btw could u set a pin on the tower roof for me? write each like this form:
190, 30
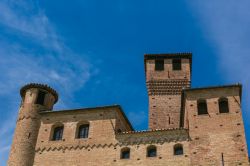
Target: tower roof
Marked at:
39, 86
169, 55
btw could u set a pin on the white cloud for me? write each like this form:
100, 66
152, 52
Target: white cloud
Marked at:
6, 130
45, 59
21, 64
226, 25
4, 149
28, 20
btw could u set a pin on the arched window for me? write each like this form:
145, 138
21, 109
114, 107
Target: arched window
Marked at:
151, 151
125, 153
83, 131
178, 149
58, 133
202, 107
223, 105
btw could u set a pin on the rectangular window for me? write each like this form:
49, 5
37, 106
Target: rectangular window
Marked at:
40, 97
159, 64
176, 63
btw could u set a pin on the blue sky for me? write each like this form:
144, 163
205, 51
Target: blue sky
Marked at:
91, 51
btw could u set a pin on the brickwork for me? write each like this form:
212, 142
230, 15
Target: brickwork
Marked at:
110, 155
102, 124
103, 145
164, 89
216, 134
164, 112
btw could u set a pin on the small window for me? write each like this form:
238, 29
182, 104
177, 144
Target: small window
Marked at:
202, 107
223, 105
176, 63
151, 151
119, 130
125, 153
58, 133
83, 131
159, 64
40, 97
178, 149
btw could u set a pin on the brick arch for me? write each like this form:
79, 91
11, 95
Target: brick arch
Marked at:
151, 151
125, 153
178, 149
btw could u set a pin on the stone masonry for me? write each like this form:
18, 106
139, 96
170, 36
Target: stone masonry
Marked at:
187, 126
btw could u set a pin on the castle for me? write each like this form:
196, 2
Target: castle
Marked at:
187, 126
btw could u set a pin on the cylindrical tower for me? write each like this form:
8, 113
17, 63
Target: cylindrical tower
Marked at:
35, 98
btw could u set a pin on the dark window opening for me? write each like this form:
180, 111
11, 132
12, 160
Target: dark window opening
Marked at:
223, 105
58, 133
202, 107
40, 97
125, 153
176, 64
159, 64
178, 149
222, 159
83, 131
29, 135
151, 151
119, 130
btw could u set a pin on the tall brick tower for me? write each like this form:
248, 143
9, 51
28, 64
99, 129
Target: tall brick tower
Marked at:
166, 76
35, 98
